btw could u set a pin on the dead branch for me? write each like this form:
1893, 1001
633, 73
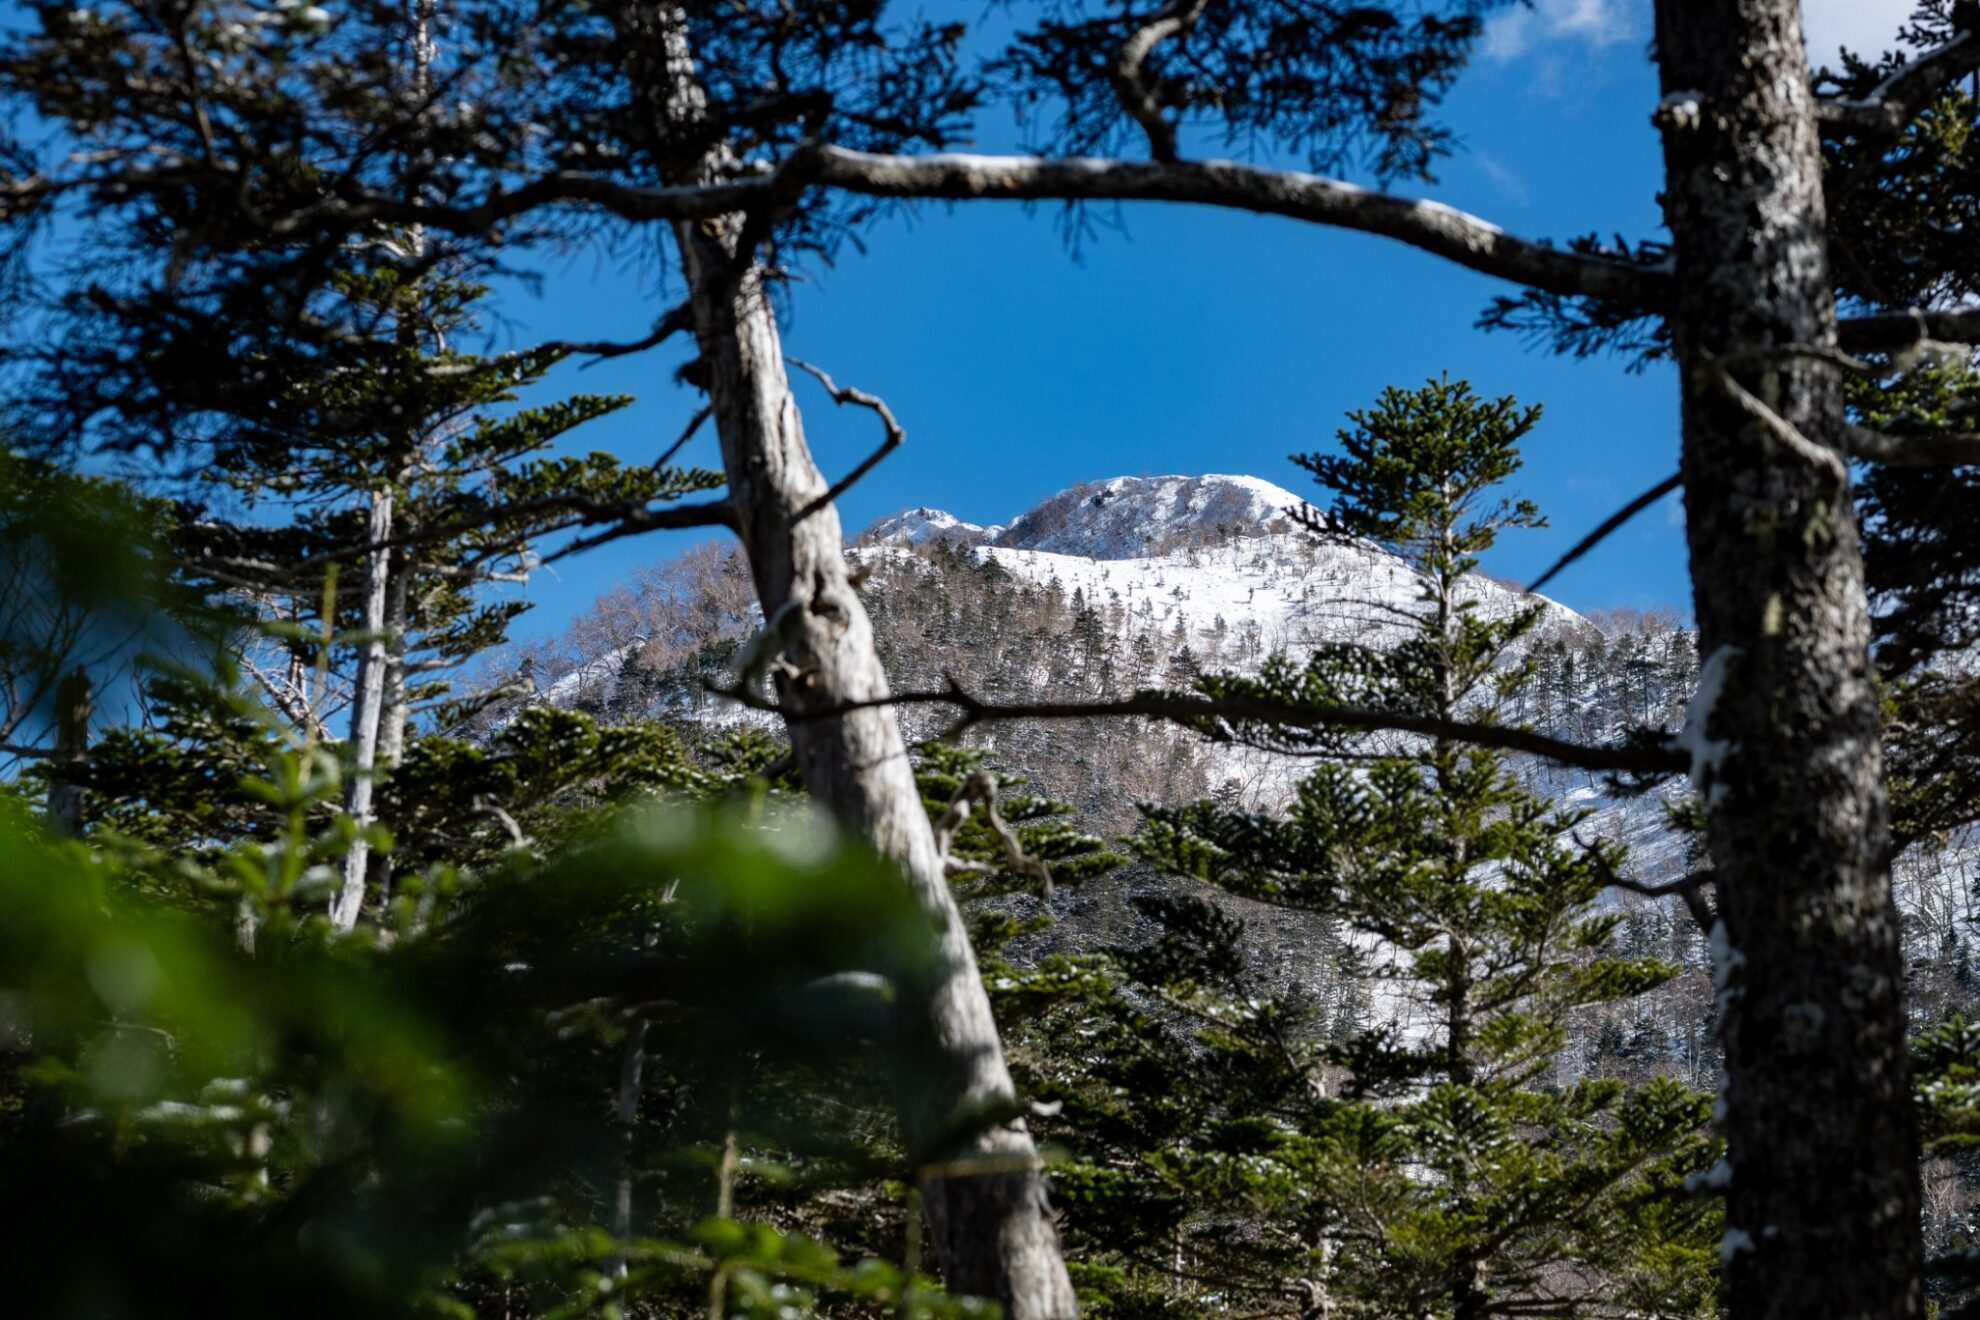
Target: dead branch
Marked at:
1914, 327
1778, 428
891, 440
676, 320
1129, 79
1924, 450
981, 786
701, 415
1432, 226
1610, 524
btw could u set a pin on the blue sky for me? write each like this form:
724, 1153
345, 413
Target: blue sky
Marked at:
1195, 341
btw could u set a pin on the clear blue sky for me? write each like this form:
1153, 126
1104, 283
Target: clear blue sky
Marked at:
1196, 341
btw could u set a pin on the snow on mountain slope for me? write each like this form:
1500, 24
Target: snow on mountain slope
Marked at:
926, 527
1136, 517
1216, 554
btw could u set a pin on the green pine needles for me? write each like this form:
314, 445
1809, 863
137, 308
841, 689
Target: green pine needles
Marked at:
1446, 1160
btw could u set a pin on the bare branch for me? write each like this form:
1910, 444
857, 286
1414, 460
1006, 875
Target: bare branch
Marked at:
1609, 524
1218, 712
711, 513
1914, 328
352, 206
694, 424
1777, 427
1432, 226
981, 786
1137, 97
1925, 450
843, 395
676, 320
290, 703
1902, 96
1690, 887
632, 515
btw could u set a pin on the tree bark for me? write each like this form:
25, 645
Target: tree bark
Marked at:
396, 711
981, 1182
367, 708
65, 796
1822, 1209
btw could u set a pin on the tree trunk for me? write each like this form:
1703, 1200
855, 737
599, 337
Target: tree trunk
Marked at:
65, 796
1823, 1202
987, 1207
367, 708
396, 711
632, 1067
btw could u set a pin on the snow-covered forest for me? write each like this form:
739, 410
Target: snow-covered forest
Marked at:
1210, 895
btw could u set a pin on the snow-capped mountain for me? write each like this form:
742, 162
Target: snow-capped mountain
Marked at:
1135, 517
927, 527
1216, 554
1123, 518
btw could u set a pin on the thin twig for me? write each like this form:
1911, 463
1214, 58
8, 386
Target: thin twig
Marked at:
1783, 432
842, 395
1609, 524
687, 434
676, 320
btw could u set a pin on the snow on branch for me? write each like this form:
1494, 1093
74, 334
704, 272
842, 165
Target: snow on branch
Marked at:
1432, 226
1903, 95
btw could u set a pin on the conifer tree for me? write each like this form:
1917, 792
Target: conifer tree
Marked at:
1467, 1171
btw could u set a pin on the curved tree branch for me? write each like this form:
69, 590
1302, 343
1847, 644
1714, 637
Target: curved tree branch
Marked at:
842, 395
1220, 712
1130, 79
1902, 96
1443, 230
1609, 524
1883, 332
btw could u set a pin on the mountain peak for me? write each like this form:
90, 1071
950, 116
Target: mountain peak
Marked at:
1119, 518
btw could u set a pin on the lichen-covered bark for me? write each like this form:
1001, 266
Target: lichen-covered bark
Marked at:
1823, 1202
982, 1188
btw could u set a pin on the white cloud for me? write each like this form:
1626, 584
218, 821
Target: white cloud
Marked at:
1594, 23
1868, 27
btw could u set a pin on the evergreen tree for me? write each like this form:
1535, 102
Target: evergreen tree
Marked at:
1467, 1167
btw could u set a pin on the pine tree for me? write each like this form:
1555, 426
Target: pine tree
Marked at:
1467, 1164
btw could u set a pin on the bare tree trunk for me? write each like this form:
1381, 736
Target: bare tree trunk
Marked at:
397, 712
984, 1190
367, 708
632, 1068
65, 796
1823, 1203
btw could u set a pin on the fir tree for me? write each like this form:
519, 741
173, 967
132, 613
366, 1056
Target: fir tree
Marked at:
1466, 1168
